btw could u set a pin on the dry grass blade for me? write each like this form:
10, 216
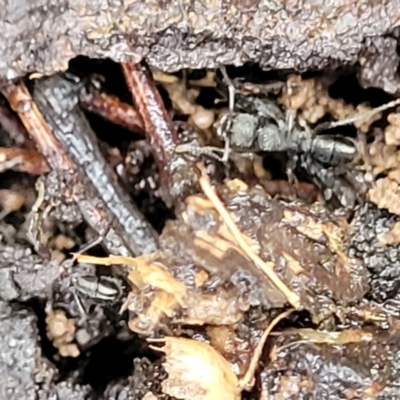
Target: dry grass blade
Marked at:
247, 382
110, 260
326, 337
267, 268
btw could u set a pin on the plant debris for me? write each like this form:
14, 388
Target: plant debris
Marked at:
173, 233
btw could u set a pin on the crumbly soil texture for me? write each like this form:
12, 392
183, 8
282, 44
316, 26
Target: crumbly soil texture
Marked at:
120, 276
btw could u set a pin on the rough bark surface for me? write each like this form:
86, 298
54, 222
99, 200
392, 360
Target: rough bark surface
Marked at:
43, 35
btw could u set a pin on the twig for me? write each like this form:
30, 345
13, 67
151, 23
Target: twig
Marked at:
247, 382
113, 109
267, 268
23, 160
21, 102
156, 121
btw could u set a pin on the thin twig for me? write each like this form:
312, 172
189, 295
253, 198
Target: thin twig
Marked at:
267, 268
247, 382
112, 109
21, 102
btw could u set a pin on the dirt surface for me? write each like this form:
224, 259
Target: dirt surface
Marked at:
202, 204
37, 36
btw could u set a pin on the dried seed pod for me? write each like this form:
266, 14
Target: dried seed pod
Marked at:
185, 358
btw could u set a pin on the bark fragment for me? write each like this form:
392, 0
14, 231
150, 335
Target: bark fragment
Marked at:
192, 34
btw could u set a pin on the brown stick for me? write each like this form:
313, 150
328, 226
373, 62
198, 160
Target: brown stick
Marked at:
157, 123
113, 109
21, 102
267, 268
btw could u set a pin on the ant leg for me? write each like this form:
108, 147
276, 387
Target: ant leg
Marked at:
290, 117
231, 89
197, 150
232, 92
93, 243
81, 309
290, 167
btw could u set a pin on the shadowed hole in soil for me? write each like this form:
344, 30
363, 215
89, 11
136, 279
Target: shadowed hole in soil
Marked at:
112, 359
109, 360
348, 88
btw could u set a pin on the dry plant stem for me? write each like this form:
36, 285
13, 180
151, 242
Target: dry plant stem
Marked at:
247, 382
358, 117
156, 121
113, 109
107, 261
204, 182
21, 102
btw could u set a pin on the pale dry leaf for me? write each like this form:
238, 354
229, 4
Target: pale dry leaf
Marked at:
159, 278
69, 350
196, 371
162, 77
394, 175
202, 118
327, 337
200, 278
207, 81
148, 317
293, 264
209, 308
10, 201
